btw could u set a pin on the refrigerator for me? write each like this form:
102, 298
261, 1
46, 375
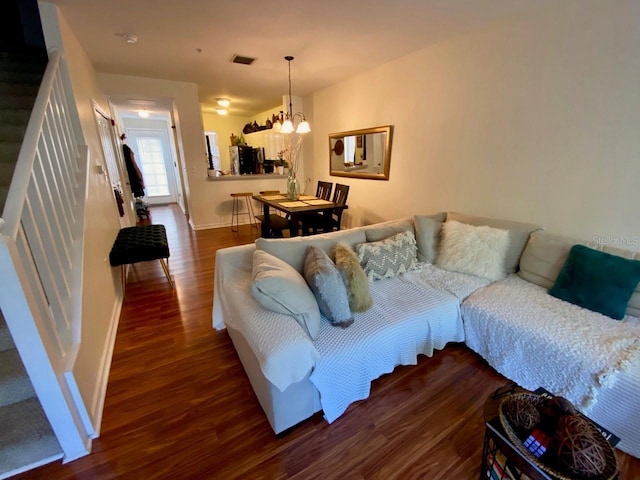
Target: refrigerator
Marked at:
245, 160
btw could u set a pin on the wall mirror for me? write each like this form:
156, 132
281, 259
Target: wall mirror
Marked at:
362, 153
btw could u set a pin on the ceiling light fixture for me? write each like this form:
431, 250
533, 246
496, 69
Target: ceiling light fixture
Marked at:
222, 111
223, 102
143, 113
287, 125
128, 37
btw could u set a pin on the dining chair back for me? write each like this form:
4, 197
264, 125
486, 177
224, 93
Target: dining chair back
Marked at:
324, 190
339, 198
340, 195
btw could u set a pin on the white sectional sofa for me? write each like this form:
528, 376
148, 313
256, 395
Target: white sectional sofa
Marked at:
526, 334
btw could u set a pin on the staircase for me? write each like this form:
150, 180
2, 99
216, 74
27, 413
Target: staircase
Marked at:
20, 77
26, 437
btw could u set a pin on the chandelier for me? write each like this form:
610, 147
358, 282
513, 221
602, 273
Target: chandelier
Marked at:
290, 117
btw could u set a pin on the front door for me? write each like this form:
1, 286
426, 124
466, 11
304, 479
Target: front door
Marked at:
153, 153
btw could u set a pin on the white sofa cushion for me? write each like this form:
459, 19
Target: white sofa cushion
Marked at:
546, 253
477, 250
518, 234
278, 287
537, 340
384, 230
293, 250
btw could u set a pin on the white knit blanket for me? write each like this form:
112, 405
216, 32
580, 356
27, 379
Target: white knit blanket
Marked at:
460, 285
538, 340
407, 318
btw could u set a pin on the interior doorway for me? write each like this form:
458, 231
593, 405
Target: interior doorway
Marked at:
109, 144
153, 153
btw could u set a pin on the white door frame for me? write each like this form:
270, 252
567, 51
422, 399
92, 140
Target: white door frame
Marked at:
132, 135
114, 163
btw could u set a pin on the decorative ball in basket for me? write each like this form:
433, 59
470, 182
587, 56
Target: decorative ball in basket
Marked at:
558, 439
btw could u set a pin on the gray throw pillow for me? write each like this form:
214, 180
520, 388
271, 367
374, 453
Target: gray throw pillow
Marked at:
327, 285
388, 257
428, 235
279, 287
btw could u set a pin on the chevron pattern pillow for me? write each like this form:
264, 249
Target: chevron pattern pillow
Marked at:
389, 257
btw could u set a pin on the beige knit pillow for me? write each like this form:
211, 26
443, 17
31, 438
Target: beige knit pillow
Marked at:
355, 279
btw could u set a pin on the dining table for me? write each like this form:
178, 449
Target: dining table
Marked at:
295, 210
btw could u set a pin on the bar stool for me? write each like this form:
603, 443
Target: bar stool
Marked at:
235, 214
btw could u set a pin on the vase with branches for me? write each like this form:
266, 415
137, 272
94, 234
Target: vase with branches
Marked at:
292, 143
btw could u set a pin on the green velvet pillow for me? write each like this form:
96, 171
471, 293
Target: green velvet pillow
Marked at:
596, 280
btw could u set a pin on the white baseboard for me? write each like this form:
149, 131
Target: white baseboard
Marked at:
97, 406
216, 225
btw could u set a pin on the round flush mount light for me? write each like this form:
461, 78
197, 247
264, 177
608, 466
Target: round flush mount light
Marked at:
223, 102
143, 113
128, 37
222, 111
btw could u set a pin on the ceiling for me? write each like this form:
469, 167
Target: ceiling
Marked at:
194, 40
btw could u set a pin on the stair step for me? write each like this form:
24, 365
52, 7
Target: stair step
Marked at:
12, 133
19, 89
37, 56
30, 78
20, 101
14, 116
9, 152
6, 342
15, 385
4, 191
22, 66
26, 438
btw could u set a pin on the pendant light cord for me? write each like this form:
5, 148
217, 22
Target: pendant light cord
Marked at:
288, 58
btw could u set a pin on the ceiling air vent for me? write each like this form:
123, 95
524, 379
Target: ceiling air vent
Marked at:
242, 60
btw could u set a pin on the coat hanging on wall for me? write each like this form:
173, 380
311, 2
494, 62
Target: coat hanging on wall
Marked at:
135, 175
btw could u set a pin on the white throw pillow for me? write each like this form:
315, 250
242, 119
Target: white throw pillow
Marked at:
279, 287
477, 250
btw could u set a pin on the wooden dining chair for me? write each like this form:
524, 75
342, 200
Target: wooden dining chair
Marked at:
277, 222
324, 190
331, 222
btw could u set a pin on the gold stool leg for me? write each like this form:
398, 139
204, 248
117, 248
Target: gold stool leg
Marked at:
166, 271
123, 274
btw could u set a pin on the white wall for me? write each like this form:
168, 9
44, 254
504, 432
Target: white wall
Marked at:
533, 118
100, 305
224, 126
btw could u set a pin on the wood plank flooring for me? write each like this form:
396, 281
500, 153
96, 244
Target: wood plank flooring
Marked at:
179, 405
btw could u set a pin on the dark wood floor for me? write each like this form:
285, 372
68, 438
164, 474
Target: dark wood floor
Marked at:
179, 405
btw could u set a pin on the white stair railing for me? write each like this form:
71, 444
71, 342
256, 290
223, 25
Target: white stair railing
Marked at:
41, 251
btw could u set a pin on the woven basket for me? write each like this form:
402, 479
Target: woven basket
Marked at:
611, 468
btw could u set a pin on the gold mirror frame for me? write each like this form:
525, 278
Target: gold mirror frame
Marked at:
369, 166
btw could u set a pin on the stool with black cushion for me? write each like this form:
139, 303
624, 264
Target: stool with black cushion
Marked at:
140, 244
